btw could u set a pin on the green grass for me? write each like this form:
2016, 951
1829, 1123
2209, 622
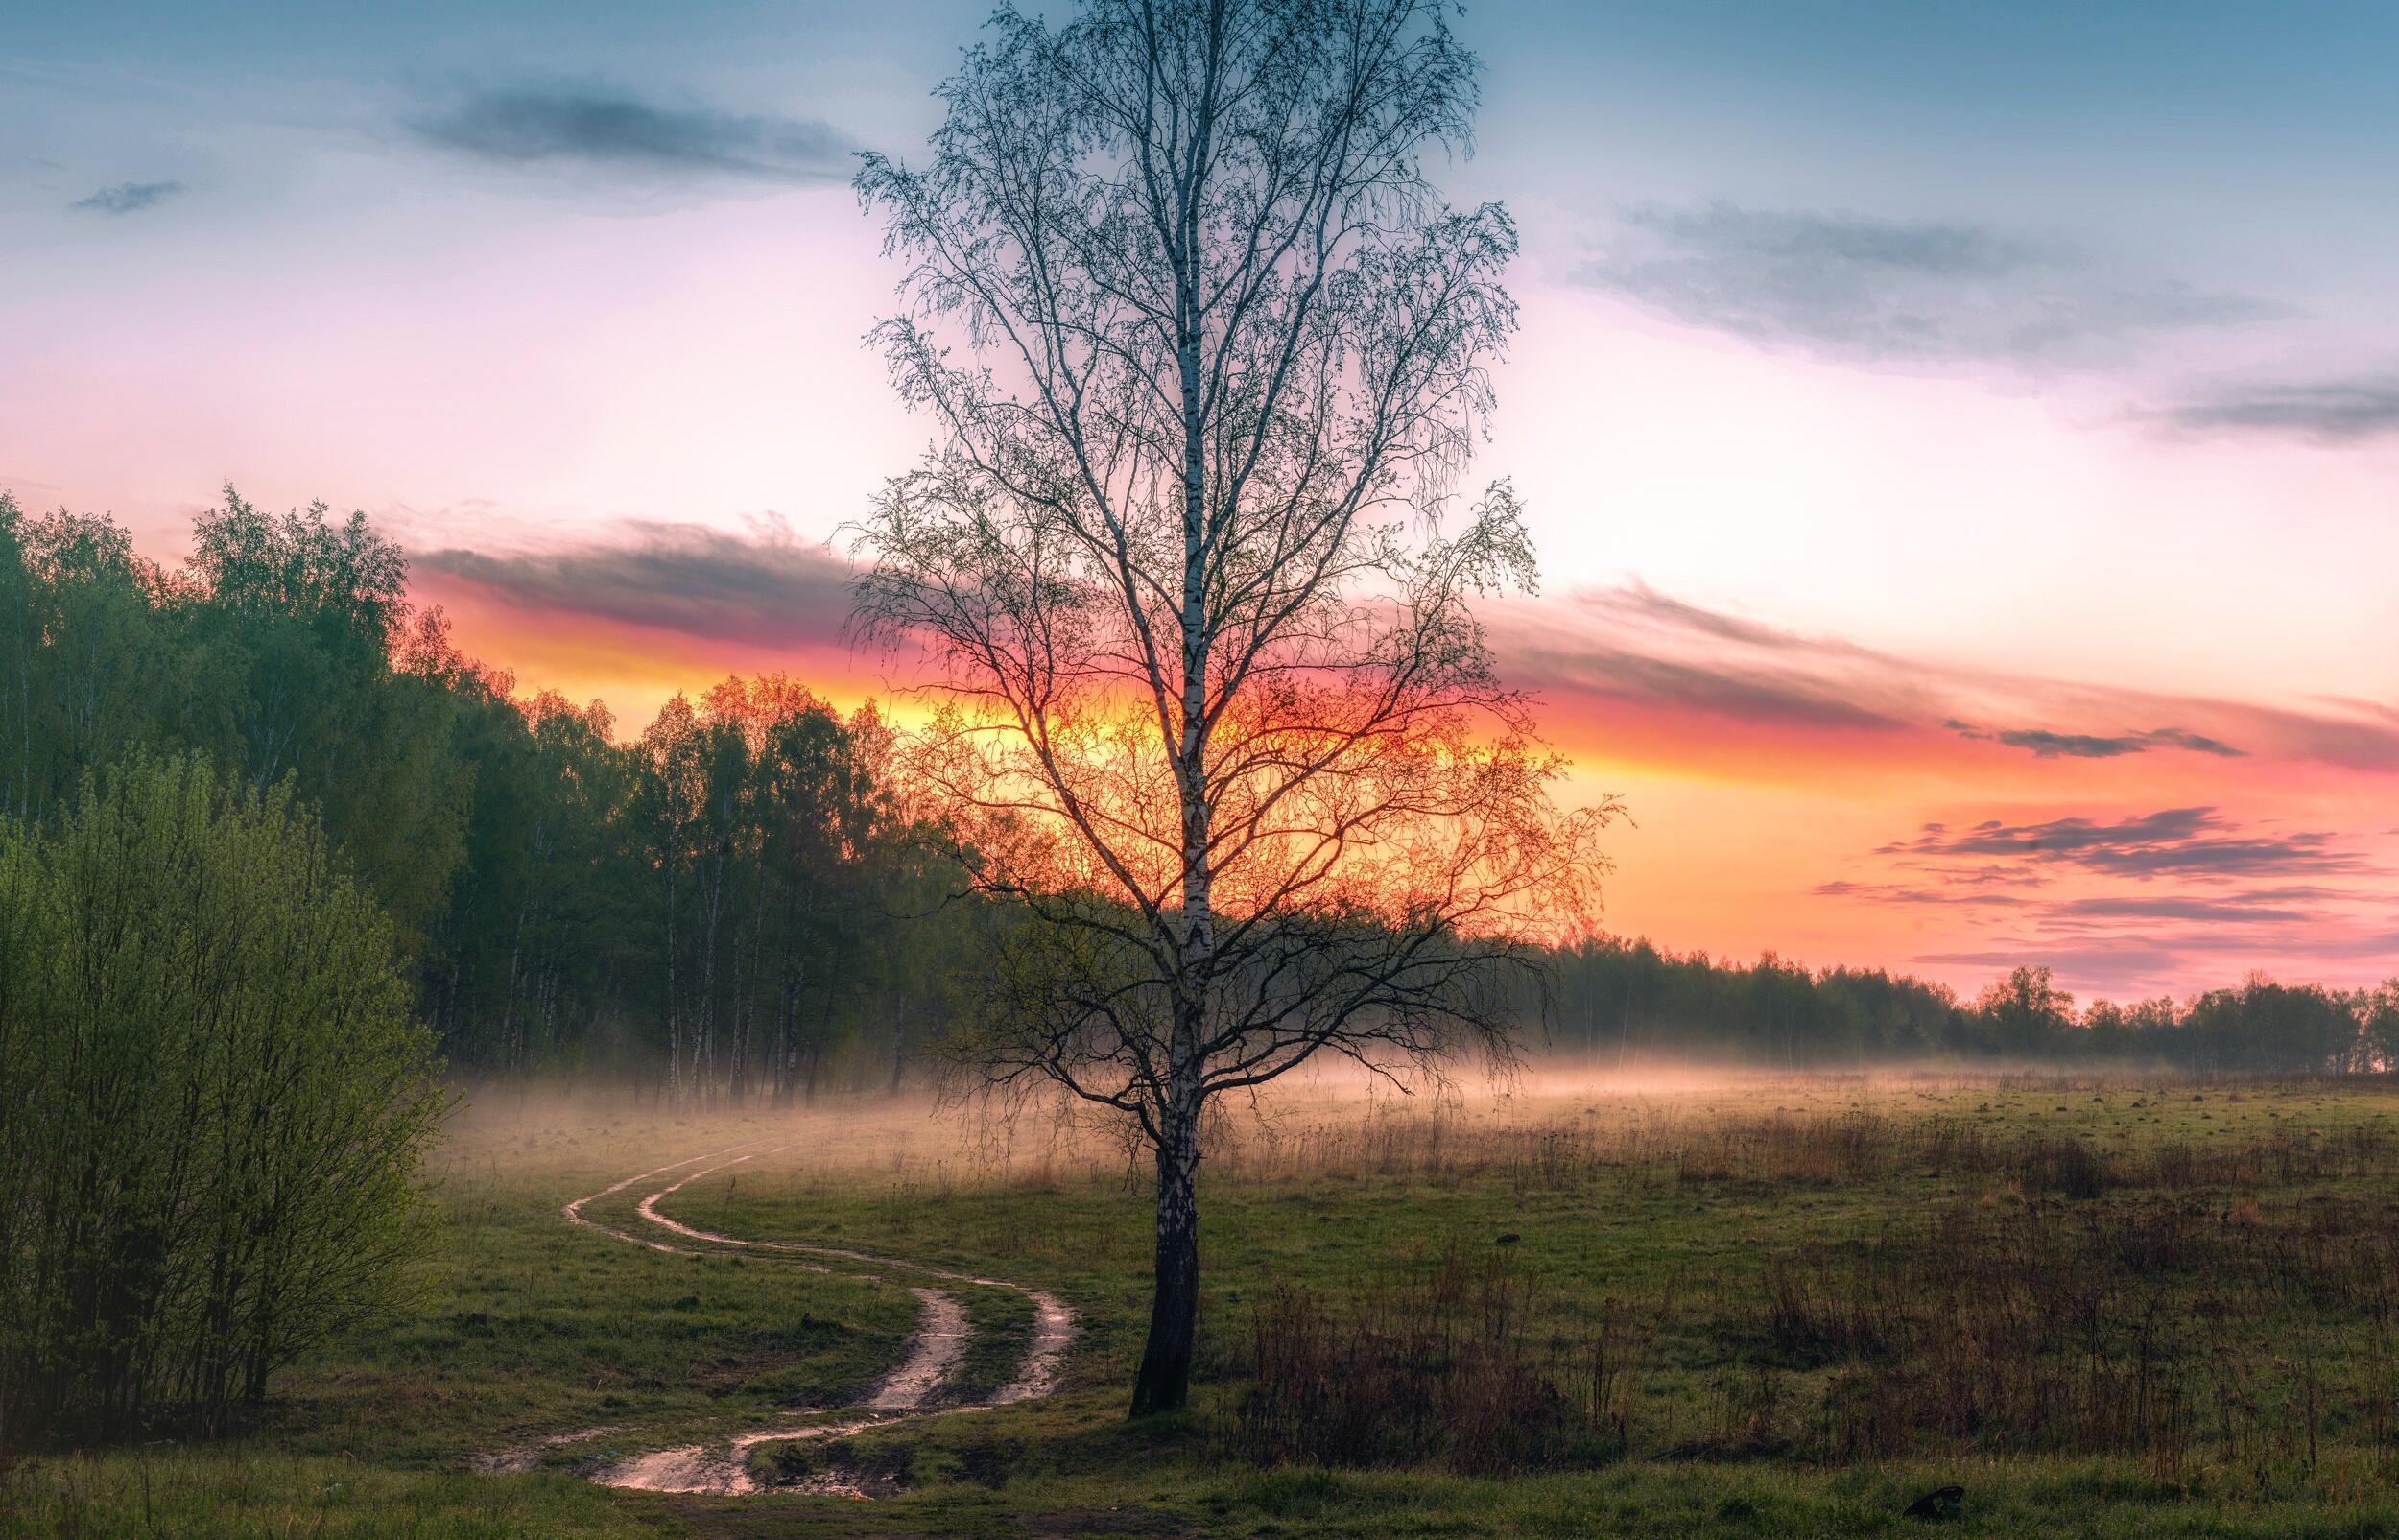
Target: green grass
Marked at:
1679, 1249
247, 1490
530, 1327
1667, 1211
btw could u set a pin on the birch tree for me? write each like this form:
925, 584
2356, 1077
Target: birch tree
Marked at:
1206, 353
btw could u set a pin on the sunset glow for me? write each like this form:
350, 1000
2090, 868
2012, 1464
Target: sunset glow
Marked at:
1966, 521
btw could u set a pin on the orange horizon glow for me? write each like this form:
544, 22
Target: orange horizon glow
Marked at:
1739, 833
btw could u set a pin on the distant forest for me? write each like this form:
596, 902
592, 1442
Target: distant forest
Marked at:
1629, 1001
739, 904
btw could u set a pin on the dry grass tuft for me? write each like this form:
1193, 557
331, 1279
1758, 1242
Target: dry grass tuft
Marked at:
1439, 1367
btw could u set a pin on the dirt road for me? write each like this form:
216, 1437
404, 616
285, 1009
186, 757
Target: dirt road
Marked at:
934, 1352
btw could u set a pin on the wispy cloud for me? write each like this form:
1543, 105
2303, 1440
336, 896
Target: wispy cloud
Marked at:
2045, 744
1725, 689
2170, 952
2126, 966
1633, 645
1869, 289
2254, 908
2142, 902
129, 197
759, 589
2173, 841
2208, 910
1636, 646
606, 128
1903, 893
2337, 410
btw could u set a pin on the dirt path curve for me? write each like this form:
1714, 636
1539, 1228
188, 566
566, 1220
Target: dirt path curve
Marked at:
934, 1354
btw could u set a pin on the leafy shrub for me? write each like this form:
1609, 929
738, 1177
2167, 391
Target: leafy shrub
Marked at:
213, 1104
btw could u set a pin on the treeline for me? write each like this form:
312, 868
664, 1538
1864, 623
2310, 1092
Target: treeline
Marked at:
738, 903
734, 905
1629, 999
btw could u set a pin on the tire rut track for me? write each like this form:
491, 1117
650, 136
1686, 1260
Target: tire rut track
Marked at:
934, 1354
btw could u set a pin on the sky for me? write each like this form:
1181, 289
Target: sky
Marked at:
1961, 440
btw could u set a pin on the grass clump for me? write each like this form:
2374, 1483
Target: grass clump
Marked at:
1438, 1366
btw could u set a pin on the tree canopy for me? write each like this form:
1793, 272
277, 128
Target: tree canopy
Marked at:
722, 906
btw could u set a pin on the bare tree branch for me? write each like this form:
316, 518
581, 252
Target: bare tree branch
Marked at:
1205, 352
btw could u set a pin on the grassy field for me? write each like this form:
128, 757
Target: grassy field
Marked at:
1752, 1307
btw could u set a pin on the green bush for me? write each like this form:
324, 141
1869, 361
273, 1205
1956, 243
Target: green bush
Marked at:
213, 1100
